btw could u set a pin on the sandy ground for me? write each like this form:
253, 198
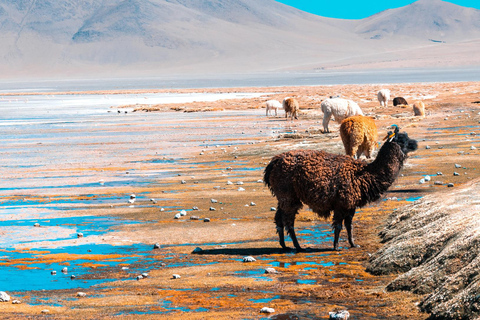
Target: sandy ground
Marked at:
214, 282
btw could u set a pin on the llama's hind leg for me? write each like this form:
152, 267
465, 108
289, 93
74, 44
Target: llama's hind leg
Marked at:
285, 219
337, 227
348, 226
280, 227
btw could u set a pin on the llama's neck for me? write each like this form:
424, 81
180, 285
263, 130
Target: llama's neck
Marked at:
381, 173
388, 162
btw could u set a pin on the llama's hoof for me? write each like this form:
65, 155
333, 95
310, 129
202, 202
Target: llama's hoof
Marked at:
354, 246
336, 249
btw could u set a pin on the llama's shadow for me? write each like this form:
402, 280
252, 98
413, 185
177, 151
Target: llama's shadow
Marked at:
257, 251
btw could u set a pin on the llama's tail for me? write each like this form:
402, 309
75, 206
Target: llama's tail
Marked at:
267, 172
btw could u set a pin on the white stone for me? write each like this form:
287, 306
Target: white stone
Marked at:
249, 259
4, 297
81, 294
176, 276
270, 270
339, 315
267, 310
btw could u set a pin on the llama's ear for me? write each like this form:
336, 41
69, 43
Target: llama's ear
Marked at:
389, 135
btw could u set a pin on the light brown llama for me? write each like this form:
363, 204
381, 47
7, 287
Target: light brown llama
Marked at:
359, 135
290, 105
419, 109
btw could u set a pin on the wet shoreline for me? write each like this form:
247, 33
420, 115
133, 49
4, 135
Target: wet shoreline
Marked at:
83, 183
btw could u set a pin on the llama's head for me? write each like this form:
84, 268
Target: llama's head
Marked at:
406, 144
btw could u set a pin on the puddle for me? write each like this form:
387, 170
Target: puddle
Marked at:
23, 231
91, 265
264, 300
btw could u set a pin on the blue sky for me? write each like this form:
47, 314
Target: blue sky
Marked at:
355, 9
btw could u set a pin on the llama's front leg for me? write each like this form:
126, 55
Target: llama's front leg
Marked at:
337, 227
293, 236
348, 226
326, 120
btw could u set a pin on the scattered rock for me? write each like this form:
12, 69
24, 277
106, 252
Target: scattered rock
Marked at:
456, 174
473, 148
16, 302
139, 277
212, 209
438, 183
340, 315
184, 182
457, 165
64, 270
194, 218
229, 182
239, 182
195, 208
249, 259
267, 310
4, 297
79, 235
178, 216
81, 294
45, 311
72, 276
439, 173
197, 250
260, 181
241, 189
53, 272
421, 181
270, 270
145, 275
213, 200
450, 185
206, 220
176, 276
156, 246
252, 204
273, 209
183, 213
36, 224
427, 178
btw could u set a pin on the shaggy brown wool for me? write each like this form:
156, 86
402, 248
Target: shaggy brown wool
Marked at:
329, 182
291, 107
359, 135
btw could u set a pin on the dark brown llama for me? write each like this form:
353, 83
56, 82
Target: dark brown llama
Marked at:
397, 101
329, 182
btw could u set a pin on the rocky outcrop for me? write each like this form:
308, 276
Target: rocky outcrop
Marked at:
434, 245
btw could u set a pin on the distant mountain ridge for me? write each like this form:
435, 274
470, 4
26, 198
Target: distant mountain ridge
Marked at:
41, 37
424, 19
